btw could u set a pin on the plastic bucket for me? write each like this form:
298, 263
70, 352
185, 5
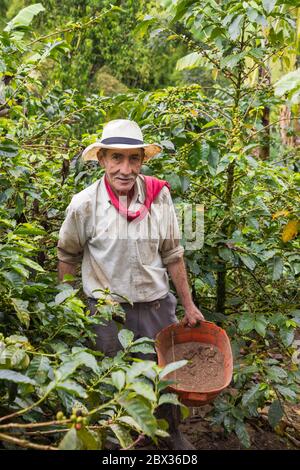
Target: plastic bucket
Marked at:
205, 332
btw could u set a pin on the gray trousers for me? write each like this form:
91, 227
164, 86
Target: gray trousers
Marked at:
145, 319
142, 318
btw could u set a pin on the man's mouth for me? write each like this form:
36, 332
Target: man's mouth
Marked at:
125, 180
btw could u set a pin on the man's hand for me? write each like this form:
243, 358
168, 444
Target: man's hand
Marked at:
66, 268
192, 316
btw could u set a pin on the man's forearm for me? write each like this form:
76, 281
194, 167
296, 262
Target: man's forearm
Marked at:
66, 268
179, 277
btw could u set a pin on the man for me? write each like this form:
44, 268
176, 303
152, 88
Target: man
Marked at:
124, 231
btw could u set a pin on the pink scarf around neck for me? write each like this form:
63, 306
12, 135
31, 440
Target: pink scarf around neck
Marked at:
153, 188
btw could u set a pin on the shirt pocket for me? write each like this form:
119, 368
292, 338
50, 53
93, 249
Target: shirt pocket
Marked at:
147, 250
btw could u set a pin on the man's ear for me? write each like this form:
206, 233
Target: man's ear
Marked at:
100, 157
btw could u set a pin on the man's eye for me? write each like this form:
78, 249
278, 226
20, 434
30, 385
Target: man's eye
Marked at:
116, 157
135, 159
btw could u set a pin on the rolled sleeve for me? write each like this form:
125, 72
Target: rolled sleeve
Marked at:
172, 255
71, 239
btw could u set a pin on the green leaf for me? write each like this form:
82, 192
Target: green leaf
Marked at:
252, 14
174, 180
118, 379
29, 229
72, 387
145, 390
162, 433
225, 253
242, 434
269, 5
20, 307
277, 268
247, 261
232, 60
288, 83
32, 264
142, 348
125, 338
163, 384
123, 435
189, 61
251, 394
14, 339
260, 325
142, 28
181, 9
16, 377
81, 358
287, 335
288, 393
8, 148
130, 422
25, 16
213, 159
39, 368
169, 398
144, 339
19, 268
276, 374
62, 296
141, 412
70, 441
6, 222
246, 323
235, 27
275, 413
139, 368
17, 356
90, 440
172, 367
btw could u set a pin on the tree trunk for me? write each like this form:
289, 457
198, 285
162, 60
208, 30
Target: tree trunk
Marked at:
264, 149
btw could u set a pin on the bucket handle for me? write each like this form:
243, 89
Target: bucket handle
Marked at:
198, 324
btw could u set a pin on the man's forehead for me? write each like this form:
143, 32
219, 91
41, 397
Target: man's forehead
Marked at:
124, 152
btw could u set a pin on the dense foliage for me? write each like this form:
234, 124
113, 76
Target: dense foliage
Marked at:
223, 147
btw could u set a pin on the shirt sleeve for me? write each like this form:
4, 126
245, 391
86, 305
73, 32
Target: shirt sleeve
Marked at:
72, 237
170, 247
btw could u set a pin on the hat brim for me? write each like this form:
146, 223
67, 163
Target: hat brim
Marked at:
90, 152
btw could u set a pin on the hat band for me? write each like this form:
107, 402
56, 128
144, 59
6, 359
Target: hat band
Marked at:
121, 140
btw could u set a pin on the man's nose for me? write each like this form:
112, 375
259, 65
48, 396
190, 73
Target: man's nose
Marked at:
125, 168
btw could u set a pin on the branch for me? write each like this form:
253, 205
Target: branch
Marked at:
209, 191
24, 443
34, 425
269, 125
25, 410
74, 27
139, 439
58, 121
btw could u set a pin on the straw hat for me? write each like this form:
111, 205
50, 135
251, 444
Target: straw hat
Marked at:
121, 134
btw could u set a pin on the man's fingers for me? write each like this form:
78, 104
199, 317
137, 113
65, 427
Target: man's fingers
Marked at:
186, 321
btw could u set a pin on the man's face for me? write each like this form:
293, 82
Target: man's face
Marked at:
121, 167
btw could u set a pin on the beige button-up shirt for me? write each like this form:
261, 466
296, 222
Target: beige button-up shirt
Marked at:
128, 258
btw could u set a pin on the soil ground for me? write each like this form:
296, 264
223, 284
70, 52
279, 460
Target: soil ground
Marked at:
198, 429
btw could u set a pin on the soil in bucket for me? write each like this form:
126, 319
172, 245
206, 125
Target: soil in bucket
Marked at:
204, 371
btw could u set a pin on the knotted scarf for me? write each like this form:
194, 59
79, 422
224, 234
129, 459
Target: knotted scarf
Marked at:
153, 187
